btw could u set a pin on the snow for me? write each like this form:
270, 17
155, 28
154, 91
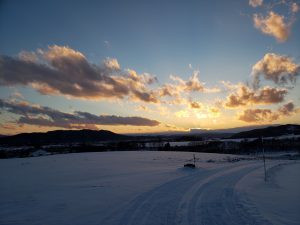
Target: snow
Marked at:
39, 152
278, 198
114, 188
282, 137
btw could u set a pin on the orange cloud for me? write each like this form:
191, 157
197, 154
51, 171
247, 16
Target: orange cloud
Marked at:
55, 53
277, 68
214, 110
267, 115
183, 114
8, 126
16, 95
193, 84
246, 96
179, 89
112, 63
294, 7
60, 70
258, 116
196, 105
274, 25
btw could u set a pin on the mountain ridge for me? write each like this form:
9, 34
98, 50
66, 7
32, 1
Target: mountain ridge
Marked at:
92, 136
62, 136
271, 131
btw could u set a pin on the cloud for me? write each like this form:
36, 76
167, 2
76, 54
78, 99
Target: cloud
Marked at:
199, 111
142, 108
112, 63
168, 90
196, 105
144, 78
277, 68
294, 7
46, 116
274, 25
60, 70
179, 90
230, 86
16, 95
258, 116
214, 110
107, 44
193, 84
246, 96
183, 114
255, 3
28, 56
267, 115
8, 126
287, 109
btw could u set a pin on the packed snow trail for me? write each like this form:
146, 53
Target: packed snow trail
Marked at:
202, 197
217, 202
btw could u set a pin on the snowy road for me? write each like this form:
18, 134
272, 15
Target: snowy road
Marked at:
203, 197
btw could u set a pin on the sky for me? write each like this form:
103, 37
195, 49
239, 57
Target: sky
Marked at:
148, 66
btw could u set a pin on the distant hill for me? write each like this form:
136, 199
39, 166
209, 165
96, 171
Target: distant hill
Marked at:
214, 133
61, 137
93, 136
228, 130
272, 131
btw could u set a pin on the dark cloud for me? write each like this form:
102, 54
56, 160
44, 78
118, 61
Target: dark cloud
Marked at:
196, 105
287, 109
258, 115
64, 71
267, 115
247, 96
46, 116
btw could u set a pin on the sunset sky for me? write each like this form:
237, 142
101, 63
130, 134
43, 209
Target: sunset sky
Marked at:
148, 66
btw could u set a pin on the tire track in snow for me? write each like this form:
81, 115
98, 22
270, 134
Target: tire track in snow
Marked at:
157, 206
217, 202
164, 204
186, 211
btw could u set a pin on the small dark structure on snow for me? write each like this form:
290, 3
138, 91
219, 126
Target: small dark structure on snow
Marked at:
191, 165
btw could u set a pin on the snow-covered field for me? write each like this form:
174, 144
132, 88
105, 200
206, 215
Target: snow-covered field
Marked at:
119, 188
